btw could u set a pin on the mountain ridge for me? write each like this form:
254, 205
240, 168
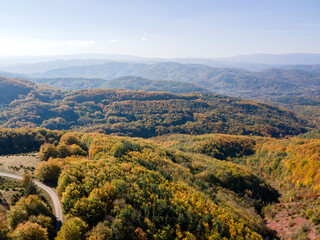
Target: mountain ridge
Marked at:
144, 114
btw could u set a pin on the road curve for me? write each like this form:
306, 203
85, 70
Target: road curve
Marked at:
50, 191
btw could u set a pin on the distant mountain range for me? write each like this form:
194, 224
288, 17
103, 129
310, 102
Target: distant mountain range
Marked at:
253, 62
178, 76
47, 66
126, 82
228, 81
278, 59
304, 67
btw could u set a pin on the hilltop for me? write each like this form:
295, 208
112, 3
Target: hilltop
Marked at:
144, 114
260, 85
126, 82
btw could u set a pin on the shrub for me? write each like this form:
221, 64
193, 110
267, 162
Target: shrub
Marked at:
48, 171
47, 150
30, 231
73, 229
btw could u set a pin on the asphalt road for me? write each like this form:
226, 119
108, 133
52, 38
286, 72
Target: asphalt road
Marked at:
50, 191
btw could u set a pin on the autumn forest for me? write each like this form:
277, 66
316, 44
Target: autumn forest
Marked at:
129, 164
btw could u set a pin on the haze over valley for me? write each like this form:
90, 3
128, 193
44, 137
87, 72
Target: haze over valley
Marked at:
159, 120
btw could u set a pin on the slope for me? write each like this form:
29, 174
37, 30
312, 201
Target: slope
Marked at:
290, 165
124, 188
126, 82
146, 114
230, 81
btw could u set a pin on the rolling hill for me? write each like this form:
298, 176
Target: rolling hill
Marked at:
71, 83
309, 68
228, 81
106, 71
121, 187
267, 85
178, 183
12, 89
126, 82
138, 83
50, 65
213, 185
144, 114
279, 59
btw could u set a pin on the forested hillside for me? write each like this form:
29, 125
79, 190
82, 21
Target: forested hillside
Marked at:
10, 89
304, 67
178, 184
290, 161
159, 120
138, 83
213, 186
284, 81
290, 165
273, 85
145, 114
126, 188
24, 140
126, 82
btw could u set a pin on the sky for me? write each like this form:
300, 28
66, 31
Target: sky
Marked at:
159, 28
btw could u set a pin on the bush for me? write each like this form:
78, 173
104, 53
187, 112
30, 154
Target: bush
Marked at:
15, 198
77, 150
26, 207
28, 185
48, 171
70, 139
30, 231
72, 229
46, 151
100, 231
123, 147
316, 217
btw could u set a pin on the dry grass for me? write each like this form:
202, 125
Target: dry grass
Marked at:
19, 163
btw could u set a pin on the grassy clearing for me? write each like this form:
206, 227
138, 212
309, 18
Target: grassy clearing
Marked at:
18, 164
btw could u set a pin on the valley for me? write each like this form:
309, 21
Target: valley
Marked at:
196, 152
159, 120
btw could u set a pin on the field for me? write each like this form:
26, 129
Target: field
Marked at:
19, 163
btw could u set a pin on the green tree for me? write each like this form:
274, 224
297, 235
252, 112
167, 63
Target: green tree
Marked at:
63, 151
45, 222
28, 184
73, 229
47, 150
3, 228
100, 231
26, 207
71, 196
17, 215
48, 171
30, 231
77, 150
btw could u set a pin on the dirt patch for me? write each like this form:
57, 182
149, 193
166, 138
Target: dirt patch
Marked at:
289, 225
19, 163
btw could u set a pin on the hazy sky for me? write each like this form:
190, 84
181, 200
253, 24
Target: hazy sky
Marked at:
159, 28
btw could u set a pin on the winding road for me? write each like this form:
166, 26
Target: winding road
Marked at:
50, 191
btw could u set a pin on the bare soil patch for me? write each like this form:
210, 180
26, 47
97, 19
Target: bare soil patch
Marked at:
288, 224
